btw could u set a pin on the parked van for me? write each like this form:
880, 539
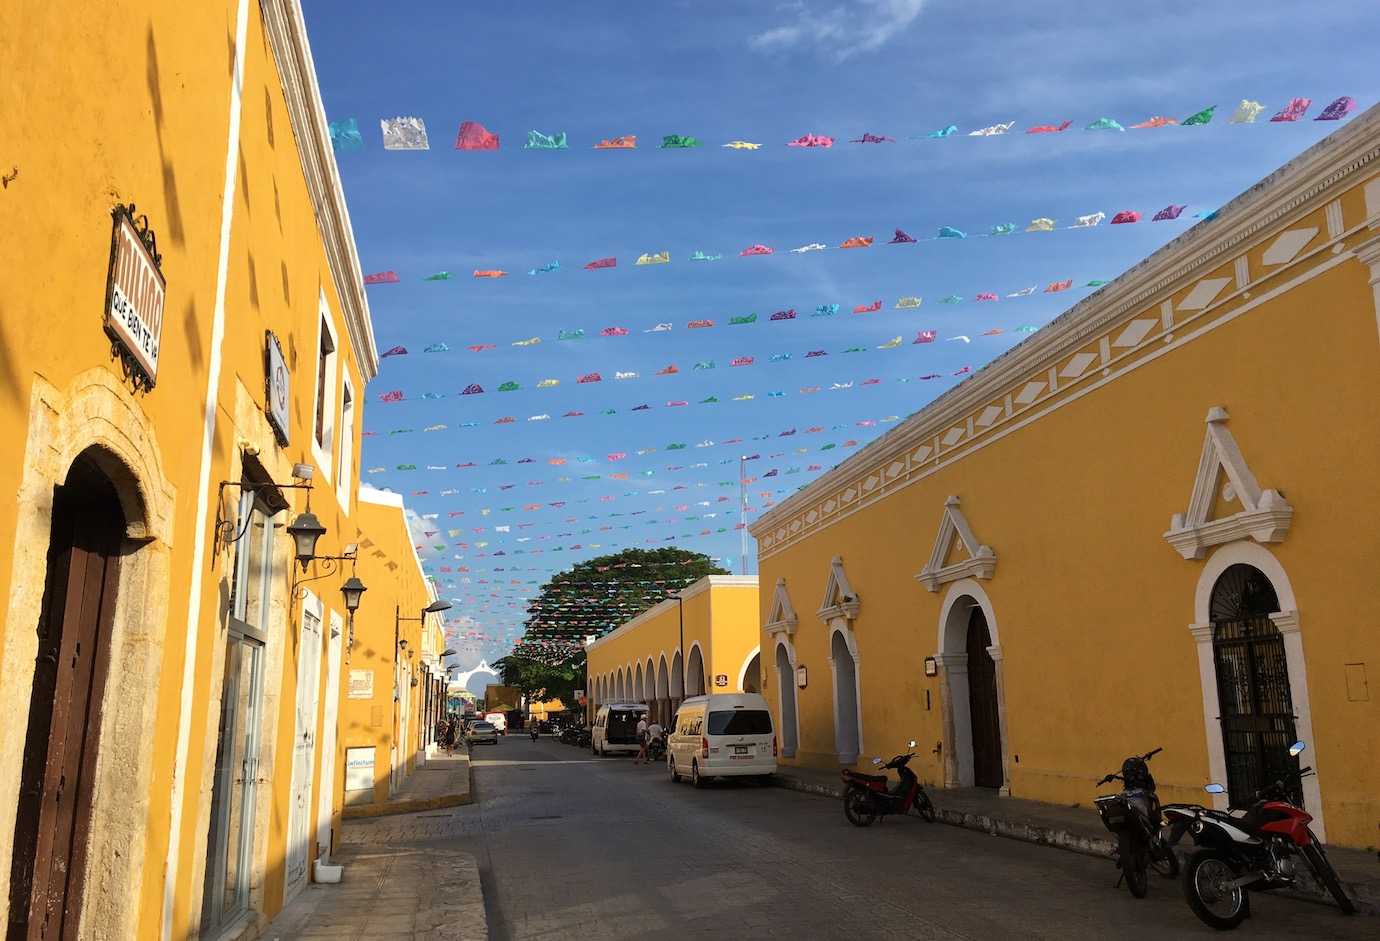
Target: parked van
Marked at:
499, 721
615, 728
722, 735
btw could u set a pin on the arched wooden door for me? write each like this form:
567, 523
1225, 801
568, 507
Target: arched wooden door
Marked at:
54, 816
1253, 695
982, 703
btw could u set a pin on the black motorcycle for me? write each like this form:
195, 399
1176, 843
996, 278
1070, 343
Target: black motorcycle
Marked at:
1134, 816
656, 748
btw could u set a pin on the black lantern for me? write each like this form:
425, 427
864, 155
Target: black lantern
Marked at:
305, 531
436, 606
353, 590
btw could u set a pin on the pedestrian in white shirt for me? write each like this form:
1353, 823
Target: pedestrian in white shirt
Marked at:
654, 733
641, 740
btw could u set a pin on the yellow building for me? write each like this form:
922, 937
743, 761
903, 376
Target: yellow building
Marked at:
394, 679
1153, 523
714, 619
184, 337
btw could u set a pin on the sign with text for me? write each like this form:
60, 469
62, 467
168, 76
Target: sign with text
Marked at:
279, 387
359, 768
361, 685
134, 296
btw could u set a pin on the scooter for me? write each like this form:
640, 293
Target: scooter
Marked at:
656, 749
1253, 848
869, 796
534, 733
1134, 816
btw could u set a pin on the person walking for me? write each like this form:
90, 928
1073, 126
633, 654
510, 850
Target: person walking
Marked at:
641, 740
654, 738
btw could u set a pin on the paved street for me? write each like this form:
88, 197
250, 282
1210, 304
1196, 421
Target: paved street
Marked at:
573, 846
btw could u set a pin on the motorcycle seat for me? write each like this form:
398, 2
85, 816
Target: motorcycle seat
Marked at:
860, 776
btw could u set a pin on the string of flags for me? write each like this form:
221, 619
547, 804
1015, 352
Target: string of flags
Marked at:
945, 233
409, 132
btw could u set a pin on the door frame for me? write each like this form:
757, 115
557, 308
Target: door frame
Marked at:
952, 656
329, 739
1250, 553
840, 626
308, 668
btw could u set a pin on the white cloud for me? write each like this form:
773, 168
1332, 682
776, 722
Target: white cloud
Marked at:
843, 30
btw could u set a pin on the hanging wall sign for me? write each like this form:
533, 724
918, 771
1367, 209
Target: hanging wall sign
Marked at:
279, 385
361, 685
134, 296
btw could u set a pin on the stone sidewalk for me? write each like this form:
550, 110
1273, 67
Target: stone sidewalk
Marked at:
1076, 828
390, 893
443, 780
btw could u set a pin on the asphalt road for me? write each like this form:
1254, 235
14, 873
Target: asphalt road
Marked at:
572, 846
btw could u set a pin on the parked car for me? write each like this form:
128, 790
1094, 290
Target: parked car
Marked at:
499, 720
481, 732
615, 728
722, 735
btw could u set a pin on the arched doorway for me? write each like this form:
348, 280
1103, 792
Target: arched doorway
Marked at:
847, 733
982, 703
677, 679
1254, 700
619, 693
52, 826
750, 681
663, 691
638, 691
694, 675
785, 675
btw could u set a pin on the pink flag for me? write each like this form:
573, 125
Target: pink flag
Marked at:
602, 263
1056, 286
394, 396
474, 136
925, 336
381, 277
395, 351
1125, 216
590, 377
1295, 109
741, 361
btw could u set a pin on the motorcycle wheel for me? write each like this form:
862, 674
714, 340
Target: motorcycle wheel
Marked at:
1165, 861
858, 807
925, 807
1322, 868
1206, 888
1131, 857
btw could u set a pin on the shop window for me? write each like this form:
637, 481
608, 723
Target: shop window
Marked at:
347, 445
323, 433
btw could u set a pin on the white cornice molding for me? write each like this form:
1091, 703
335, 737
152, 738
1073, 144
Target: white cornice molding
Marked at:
840, 601
708, 582
1265, 514
981, 561
1320, 167
782, 619
287, 36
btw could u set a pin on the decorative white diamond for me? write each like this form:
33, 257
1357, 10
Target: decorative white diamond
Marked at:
871, 482
767, 541
781, 534
811, 516
1078, 365
1135, 332
1203, 293
795, 526
1285, 248
920, 454
1030, 392
895, 469
952, 435
989, 415
830, 505
850, 494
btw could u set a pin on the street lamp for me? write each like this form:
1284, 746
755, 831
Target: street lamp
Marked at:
305, 531
353, 590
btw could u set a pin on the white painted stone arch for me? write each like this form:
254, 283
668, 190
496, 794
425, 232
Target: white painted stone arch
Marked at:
637, 684
952, 644
694, 672
753, 662
649, 681
619, 691
677, 677
788, 715
663, 678
1246, 552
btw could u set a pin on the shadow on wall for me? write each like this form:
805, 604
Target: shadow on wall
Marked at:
174, 204
9, 376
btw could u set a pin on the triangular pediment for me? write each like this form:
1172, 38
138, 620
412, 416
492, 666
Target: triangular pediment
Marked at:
957, 552
782, 616
839, 598
1227, 503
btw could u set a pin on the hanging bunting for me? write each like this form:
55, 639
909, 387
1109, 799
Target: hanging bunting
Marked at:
1201, 117
382, 277
626, 142
949, 131
394, 351
345, 136
812, 140
812, 247
678, 142
873, 139
536, 140
1246, 112
701, 256
438, 276
1338, 109
475, 136
1295, 109
404, 133
857, 241
547, 268
601, 263
1042, 224
742, 145
656, 258
908, 303
949, 232
1049, 128
993, 130
490, 273
756, 250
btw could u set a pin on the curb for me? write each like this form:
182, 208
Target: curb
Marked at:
1362, 895
463, 917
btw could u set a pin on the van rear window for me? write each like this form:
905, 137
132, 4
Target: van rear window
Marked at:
740, 722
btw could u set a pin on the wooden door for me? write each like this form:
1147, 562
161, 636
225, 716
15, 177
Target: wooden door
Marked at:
300, 826
54, 814
982, 704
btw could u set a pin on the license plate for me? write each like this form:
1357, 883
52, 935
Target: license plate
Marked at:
740, 749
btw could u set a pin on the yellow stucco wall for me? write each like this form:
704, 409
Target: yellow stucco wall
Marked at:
150, 126
388, 564
1073, 492
720, 623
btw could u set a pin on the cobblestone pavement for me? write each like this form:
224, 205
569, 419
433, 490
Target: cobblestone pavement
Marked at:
574, 846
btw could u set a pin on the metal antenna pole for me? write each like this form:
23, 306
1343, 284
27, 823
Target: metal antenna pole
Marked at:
742, 514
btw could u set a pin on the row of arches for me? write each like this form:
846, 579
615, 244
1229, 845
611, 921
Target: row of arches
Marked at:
1255, 697
661, 684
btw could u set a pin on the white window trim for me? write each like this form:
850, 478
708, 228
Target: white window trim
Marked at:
345, 439
325, 454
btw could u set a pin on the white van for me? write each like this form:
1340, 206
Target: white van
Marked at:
615, 728
722, 735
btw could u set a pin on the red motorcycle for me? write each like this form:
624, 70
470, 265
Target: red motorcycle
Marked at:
1257, 849
869, 796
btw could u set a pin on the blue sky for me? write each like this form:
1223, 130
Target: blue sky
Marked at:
767, 73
